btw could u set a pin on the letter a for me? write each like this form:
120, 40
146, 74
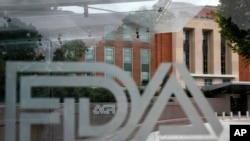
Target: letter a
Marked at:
237, 132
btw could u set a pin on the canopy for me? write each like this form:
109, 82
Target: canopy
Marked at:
73, 19
229, 88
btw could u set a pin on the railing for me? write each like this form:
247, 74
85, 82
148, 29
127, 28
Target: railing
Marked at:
231, 116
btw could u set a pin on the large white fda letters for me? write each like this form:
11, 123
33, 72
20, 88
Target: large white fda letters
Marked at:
139, 103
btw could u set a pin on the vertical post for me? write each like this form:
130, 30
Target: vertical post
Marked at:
223, 115
231, 115
239, 114
216, 114
247, 114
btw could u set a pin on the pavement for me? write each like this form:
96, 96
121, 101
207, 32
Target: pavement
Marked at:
155, 136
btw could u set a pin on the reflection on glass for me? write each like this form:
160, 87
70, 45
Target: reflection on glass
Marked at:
145, 66
127, 60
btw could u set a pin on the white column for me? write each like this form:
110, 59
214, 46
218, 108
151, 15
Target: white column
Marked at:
215, 52
196, 54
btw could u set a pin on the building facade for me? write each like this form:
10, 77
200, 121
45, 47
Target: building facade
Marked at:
199, 45
202, 48
128, 48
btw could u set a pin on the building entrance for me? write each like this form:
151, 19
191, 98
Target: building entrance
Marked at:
239, 103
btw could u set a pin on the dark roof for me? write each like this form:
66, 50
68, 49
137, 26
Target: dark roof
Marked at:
229, 88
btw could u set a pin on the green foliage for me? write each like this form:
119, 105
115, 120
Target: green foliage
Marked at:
59, 55
94, 94
70, 51
18, 42
233, 18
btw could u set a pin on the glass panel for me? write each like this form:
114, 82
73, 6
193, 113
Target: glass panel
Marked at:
64, 68
205, 52
90, 54
144, 34
208, 82
127, 33
223, 55
109, 32
127, 55
186, 47
145, 66
109, 55
144, 56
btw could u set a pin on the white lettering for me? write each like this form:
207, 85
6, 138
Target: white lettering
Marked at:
239, 132
105, 109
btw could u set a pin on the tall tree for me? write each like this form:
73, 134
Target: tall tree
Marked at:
70, 51
233, 18
18, 42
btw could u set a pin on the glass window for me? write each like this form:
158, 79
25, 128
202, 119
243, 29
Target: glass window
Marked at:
127, 34
223, 55
225, 80
109, 32
208, 81
90, 55
127, 55
145, 56
145, 78
186, 47
145, 66
109, 55
127, 60
109, 58
144, 34
205, 52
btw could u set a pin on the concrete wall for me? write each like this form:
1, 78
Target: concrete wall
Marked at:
220, 105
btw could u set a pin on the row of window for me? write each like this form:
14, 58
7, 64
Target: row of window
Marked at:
205, 50
127, 61
128, 33
209, 81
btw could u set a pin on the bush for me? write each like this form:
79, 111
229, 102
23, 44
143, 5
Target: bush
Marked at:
94, 94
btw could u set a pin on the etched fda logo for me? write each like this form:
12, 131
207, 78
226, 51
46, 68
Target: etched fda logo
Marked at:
124, 124
105, 109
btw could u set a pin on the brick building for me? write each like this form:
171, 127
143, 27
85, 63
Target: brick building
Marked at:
125, 49
199, 45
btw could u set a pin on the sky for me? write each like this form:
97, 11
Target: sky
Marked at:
213, 2
132, 6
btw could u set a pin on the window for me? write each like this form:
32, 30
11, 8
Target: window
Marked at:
186, 47
144, 66
127, 34
90, 55
127, 60
144, 34
208, 82
109, 32
109, 55
223, 55
225, 80
109, 58
205, 52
